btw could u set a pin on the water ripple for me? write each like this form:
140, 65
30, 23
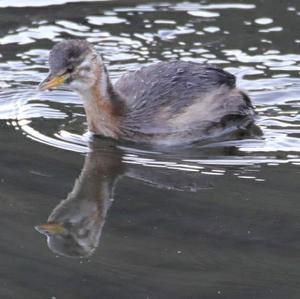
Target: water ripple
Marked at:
33, 3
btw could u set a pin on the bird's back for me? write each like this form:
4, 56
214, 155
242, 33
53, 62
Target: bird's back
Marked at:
179, 101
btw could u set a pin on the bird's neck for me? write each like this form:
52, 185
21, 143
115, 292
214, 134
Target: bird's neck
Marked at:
95, 185
103, 106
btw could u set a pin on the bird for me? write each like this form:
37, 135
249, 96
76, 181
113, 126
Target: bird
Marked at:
165, 103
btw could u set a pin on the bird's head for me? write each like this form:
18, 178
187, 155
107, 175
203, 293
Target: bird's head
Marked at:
74, 62
68, 239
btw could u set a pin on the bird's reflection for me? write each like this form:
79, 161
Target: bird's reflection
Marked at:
74, 227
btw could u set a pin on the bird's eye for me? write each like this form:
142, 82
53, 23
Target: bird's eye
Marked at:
86, 68
70, 69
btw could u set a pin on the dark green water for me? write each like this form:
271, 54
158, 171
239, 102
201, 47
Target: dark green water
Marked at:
214, 221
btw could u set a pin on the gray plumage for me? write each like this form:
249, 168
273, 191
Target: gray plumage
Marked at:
67, 55
181, 102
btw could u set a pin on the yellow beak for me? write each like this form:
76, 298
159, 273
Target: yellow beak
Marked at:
52, 82
50, 228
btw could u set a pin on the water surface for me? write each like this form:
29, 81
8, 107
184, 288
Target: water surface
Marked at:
219, 220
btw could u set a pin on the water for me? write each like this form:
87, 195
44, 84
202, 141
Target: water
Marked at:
219, 220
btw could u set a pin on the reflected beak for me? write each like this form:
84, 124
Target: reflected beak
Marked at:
52, 81
50, 228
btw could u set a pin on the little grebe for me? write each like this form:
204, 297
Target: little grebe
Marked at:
165, 103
